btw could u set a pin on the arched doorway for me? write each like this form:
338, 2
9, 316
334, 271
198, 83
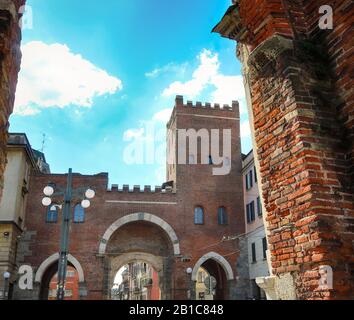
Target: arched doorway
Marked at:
140, 238
215, 267
136, 280
48, 287
46, 278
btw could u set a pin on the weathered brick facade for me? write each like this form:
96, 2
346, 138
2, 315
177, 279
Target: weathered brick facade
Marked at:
300, 82
10, 59
156, 226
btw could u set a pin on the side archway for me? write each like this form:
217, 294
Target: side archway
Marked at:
147, 217
217, 258
54, 258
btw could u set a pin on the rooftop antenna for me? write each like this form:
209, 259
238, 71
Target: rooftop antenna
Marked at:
43, 142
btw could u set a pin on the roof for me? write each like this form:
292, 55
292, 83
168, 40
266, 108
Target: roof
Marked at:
37, 158
247, 159
228, 12
230, 26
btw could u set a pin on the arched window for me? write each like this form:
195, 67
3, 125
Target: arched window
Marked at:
198, 215
222, 216
79, 214
52, 214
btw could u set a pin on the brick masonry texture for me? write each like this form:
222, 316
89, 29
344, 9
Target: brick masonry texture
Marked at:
194, 186
10, 59
302, 100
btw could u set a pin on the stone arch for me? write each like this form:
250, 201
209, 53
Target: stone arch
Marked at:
135, 217
55, 257
219, 259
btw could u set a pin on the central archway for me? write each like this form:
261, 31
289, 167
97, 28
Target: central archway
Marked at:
140, 238
45, 278
135, 217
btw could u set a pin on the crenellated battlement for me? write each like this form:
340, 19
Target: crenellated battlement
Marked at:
139, 189
206, 106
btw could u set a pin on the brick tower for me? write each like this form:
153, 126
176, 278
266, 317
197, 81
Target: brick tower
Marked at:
201, 178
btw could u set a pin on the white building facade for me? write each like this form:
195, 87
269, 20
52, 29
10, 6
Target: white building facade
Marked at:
255, 231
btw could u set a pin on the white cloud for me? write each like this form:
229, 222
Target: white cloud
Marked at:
220, 88
163, 115
169, 68
52, 76
245, 129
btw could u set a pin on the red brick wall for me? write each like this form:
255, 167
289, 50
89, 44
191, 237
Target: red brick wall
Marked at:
303, 116
10, 58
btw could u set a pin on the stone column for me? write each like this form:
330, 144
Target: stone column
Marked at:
268, 285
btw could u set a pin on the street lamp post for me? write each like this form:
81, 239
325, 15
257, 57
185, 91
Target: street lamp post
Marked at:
6, 276
68, 194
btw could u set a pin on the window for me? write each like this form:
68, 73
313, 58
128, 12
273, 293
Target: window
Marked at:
265, 248
52, 214
254, 256
79, 214
249, 180
198, 215
222, 216
253, 217
259, 207
250, 212
255, 175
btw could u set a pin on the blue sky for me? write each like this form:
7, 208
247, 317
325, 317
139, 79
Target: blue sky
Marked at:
96, 76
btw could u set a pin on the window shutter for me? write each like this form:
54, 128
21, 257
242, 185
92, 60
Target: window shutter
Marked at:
254, 257
252, 212
52, 214
259, 207
222, 216
265, 248
198, 215
79, 214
